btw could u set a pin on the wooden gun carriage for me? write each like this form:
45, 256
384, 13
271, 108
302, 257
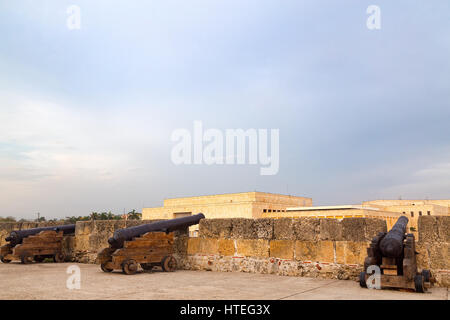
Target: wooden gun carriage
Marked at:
394, 253
45, 244
150, 250
147, 245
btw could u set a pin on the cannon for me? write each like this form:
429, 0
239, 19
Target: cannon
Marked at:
394, 254
147, 245
36, 244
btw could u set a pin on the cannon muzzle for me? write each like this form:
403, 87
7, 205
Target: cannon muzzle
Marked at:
126, 234
392, 244
66, 229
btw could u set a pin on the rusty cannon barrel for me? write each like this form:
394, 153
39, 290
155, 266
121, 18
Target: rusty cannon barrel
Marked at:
16, 236
66, 229
122, 235
392, 244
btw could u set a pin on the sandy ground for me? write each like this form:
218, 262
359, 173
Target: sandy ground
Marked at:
48, 281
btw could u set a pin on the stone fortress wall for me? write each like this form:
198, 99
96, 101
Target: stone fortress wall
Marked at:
326, 248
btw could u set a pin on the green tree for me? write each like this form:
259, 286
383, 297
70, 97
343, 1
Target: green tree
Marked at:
133, 215
8, 219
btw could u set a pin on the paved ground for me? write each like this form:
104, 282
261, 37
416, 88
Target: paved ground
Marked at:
48, 281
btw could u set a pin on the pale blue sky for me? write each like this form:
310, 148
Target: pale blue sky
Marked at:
86, 115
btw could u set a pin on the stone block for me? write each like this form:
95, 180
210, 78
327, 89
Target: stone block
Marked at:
243, 229
283, 229
193, 245
283, 249
306, 229
434, 228
355, 251
252, 247
83, 228
306, 250
315, 251
264, 228
209, 246
353, 229
374, 226
180, 245
330, 229
215, 228
82, 243
226, 247
439, 256
423, 259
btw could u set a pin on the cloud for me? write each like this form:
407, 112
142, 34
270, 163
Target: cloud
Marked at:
51, 150
431, 181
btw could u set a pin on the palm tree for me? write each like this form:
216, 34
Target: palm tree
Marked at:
133, 215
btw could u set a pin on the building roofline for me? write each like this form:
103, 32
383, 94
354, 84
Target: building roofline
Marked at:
223, 194
341, 207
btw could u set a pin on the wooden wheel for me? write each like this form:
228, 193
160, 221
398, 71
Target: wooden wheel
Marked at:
129, 266
426, 275
169, 264
59, 257
26, 258
2, 259
105, 267
418, 283
146, 266
362, 280
39, 258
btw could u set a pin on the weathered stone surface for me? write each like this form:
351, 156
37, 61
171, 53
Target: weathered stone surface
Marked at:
275, 266
283, 249
314, 251
373, 227
215, 228
264, 228
226, 247
283, 229
442, 278
353, 229
180, 244
434, 228
439, 256
354, 252
252, 247
306, 229
193, 245
243, 229
306, 250
423, 259
209, 246
68, 247
83, 228
330, 229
